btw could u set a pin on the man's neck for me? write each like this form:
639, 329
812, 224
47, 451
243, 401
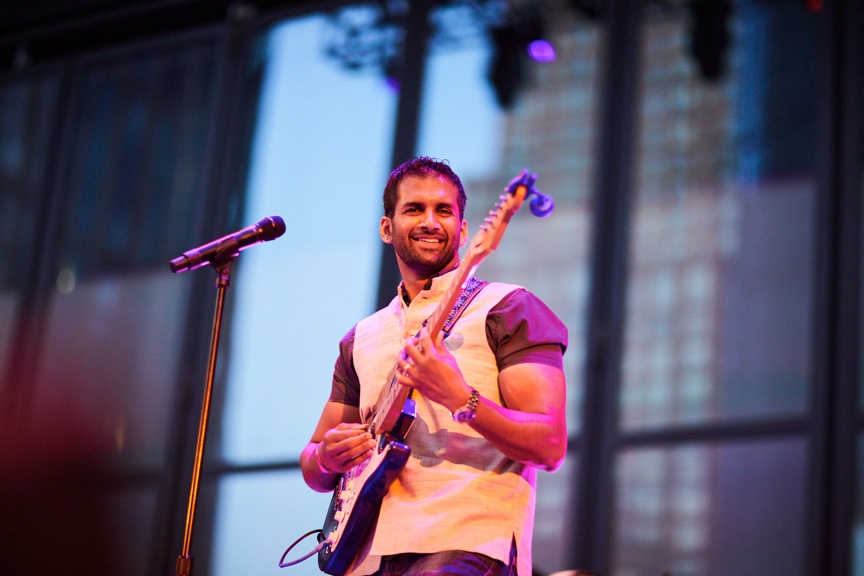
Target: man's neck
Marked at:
414, 284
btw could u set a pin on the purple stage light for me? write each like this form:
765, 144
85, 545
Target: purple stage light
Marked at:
541, 51
393, 84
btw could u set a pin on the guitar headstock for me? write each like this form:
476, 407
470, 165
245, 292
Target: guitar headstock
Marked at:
494, 225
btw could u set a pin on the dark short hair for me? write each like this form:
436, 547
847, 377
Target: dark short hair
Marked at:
421, 166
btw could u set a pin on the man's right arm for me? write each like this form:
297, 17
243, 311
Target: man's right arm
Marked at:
339, 443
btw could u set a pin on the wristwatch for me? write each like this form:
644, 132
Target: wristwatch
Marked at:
469, 410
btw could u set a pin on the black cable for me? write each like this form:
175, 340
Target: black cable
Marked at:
283, 564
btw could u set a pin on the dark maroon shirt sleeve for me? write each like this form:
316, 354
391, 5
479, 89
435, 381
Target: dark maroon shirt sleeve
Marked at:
522, 329
346, 384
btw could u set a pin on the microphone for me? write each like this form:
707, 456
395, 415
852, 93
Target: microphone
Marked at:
541, 205
229, 246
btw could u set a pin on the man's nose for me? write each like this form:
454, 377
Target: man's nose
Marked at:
428, 220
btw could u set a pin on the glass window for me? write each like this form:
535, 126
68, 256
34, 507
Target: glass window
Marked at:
554, 517
260, 516
112, 332
712, 509
107, 197
320, 159
718, 310
111, 351
131, 541
27, 117
548, 130
857, 544
132, 186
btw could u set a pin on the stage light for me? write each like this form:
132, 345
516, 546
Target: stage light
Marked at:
709, 36
512, 44
541, 51
506, 69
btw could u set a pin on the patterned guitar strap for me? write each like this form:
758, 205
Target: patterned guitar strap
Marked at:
469, 291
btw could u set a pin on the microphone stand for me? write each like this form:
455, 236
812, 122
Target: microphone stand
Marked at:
223, 268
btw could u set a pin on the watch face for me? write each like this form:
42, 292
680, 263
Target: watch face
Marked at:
464, 415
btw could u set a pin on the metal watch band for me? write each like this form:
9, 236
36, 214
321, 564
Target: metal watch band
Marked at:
467, 412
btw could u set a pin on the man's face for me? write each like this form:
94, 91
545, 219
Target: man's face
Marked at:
426, 229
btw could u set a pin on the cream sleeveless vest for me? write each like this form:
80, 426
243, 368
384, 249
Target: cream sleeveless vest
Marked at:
457, 491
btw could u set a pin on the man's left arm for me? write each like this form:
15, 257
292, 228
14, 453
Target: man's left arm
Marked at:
528, 341
531, 426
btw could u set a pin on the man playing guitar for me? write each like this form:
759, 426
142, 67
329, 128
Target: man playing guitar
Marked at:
488, 401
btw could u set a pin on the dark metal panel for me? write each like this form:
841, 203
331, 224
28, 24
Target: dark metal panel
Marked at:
411, 73
837, 270
17, 378
42, 30
612, 192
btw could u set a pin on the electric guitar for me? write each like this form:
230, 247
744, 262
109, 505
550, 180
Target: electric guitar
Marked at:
359, 492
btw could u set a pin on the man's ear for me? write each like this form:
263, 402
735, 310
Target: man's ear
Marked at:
385, 230
463, 234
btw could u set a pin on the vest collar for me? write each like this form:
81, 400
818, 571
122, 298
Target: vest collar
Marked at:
435, 284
